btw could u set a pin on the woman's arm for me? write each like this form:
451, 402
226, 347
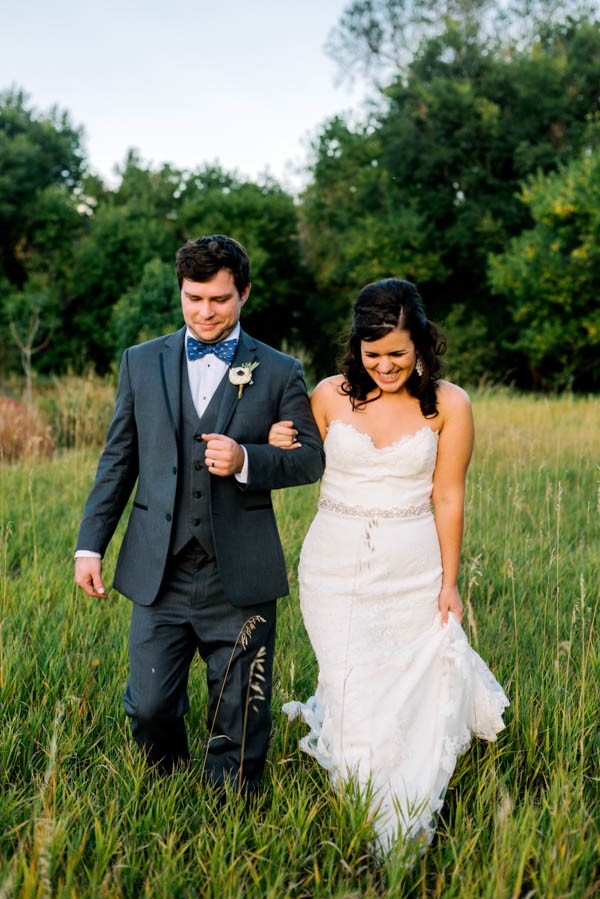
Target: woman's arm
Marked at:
323, 396
269, 468
283, 433
454, 454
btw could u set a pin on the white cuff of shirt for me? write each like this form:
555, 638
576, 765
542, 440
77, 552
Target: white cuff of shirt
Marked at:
242, 476
86, 554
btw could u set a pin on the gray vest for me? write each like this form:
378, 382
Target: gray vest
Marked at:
192, 509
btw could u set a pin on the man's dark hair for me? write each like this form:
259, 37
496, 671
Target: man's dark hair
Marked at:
200, 260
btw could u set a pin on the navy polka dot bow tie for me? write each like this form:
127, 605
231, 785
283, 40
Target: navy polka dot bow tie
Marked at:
225, 350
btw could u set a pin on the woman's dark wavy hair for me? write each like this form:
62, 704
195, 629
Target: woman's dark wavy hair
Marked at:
379, 308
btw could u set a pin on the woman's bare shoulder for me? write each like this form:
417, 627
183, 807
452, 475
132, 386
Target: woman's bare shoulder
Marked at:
454, 406
327, 398
452, 397
329, 386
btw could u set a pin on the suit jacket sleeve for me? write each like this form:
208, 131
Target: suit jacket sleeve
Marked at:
116, 473
270, 467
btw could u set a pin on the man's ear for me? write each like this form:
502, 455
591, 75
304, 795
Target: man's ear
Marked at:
245, 293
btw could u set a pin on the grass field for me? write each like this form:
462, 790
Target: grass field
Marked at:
81, 815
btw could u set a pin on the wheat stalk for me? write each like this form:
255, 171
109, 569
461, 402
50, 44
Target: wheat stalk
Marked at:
254, 695
243, 638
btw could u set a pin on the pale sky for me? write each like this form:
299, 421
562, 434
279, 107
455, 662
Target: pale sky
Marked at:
245, 83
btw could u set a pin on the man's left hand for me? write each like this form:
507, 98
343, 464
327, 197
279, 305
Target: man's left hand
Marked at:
223, 456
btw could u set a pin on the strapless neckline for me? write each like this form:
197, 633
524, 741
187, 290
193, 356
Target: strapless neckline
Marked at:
406, 438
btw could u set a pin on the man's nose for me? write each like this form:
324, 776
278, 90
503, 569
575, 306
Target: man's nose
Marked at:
206, 310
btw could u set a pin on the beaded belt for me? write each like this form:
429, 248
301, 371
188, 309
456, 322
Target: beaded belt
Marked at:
328, 505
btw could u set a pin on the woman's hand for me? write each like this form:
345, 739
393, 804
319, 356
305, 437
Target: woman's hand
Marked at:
450, 601
283, 435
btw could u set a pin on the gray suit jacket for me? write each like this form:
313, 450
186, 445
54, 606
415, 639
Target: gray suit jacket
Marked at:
142, 446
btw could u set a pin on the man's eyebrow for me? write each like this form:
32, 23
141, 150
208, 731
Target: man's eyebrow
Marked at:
223, 296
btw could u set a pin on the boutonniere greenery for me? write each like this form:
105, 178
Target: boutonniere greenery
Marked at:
240, 375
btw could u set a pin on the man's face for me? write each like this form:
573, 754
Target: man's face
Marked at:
211, 309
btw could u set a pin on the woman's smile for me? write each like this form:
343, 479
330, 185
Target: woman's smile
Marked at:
388, 376
390, 361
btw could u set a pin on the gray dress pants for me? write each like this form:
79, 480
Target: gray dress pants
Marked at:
192, 614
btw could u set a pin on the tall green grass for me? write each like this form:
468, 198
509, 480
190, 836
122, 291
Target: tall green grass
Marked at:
81, 815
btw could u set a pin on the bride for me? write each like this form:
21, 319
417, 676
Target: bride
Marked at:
400, 691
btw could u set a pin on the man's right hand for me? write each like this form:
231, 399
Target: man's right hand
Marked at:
88, 574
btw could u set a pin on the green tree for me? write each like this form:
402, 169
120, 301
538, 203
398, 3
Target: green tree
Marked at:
149, 309
127, 228
549, 278
427, 187
32, 317
357, 227
41, 169
470, 123
131, 238
41, 165
378, 39
263, 217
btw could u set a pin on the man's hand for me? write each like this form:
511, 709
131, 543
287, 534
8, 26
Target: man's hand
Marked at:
88, 574
223, 455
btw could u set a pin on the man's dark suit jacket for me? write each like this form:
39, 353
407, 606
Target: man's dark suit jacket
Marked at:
142, 446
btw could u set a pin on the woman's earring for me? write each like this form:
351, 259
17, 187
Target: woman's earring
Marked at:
419, 366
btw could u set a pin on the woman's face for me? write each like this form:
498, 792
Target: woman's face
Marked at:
390, 361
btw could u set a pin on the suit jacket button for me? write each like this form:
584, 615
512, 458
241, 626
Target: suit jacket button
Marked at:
198, 466
174, 469
196, 522
198, 438
168, 517
197, 494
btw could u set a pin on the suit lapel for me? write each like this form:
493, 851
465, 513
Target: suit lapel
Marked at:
170, 373
246, 352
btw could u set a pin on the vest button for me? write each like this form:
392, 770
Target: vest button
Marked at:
198, 466
168, 517
196, 522
197, 494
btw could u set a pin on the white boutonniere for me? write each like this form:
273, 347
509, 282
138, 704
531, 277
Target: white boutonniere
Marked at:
240, 375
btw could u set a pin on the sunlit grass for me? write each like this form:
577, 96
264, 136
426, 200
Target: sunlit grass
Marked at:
81, 815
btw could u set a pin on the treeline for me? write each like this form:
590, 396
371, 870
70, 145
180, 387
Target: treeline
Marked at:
475, 174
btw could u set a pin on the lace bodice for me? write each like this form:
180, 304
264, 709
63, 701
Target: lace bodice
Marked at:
395, 476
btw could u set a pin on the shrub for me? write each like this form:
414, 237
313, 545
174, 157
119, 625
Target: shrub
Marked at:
79, 409
471, 359
24, 432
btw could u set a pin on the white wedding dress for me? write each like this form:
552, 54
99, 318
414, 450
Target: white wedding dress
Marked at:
399, 695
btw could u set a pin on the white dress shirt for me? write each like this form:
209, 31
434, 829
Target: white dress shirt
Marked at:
205, 375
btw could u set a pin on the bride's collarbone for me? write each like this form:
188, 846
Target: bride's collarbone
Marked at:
385, 434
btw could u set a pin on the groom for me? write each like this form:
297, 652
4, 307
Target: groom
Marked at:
201, 557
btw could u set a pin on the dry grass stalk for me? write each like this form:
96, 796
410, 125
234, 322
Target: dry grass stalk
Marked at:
254, 695
24, 432
246, 631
